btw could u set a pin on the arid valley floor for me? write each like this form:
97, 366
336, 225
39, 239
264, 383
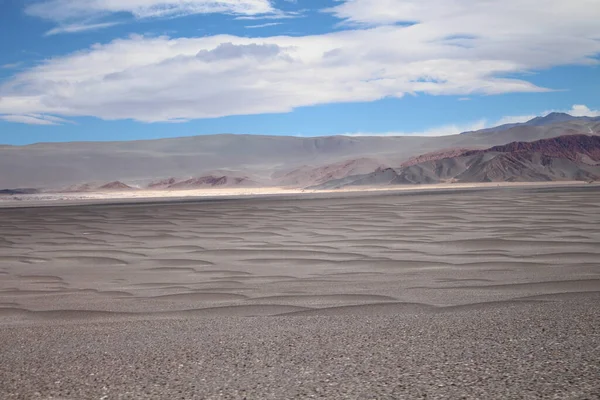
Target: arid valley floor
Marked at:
470, 293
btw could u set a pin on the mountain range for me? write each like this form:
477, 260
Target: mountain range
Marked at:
555, 147
563, 158
550, 119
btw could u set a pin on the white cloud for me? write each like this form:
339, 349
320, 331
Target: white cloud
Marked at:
63, 10
446, 53
444, 130
275, 14
546, 30
75, 15
75, 28
263, 25
34, 119
580, 110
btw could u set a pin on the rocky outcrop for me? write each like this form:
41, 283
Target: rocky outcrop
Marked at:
213, 181
116, 185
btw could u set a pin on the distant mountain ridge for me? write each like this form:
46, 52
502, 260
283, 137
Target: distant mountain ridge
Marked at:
252, 160
552, 118
214, 181
572, 147
573, 157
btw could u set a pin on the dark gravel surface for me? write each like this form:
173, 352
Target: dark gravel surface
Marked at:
539, 350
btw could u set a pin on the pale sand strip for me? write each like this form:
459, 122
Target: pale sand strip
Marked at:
142, 195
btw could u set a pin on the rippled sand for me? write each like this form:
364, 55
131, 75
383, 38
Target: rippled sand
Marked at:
265, 297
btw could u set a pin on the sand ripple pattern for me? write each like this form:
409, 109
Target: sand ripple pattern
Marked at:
376, 254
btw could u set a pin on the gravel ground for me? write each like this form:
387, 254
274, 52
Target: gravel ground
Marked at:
548, 349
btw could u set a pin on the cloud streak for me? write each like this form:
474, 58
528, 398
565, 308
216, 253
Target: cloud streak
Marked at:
35, 119
61, 10
263, 25
83, 15
11, 65
444, 130
76, 28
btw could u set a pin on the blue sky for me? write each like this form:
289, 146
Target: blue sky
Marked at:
116, 70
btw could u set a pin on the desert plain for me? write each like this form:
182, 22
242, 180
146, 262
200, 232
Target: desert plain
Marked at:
455, 293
